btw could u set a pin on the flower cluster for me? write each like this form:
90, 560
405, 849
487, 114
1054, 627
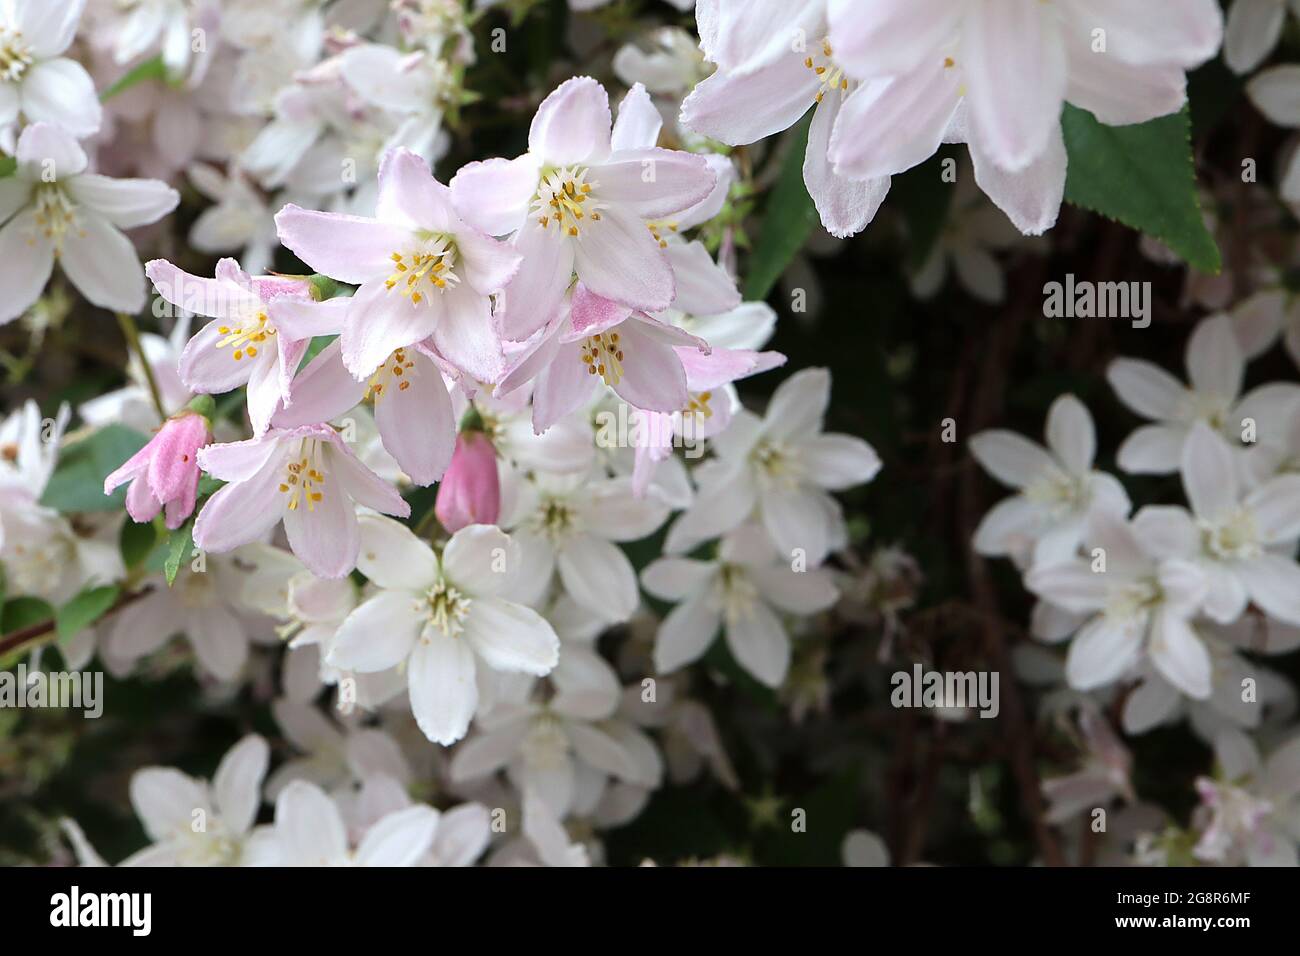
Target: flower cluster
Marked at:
458, 453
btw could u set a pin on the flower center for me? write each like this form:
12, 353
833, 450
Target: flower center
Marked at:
831, 76
446, 608
565, 198
1235, 538
303, 478
775, 464
699, 405
196, 590
56, 214
545, 745
1059, 492
15, 55
603, 355
657, 230
247, 338
555, 519
418, 273
214, 846
736, 593
399, 368
1134, 599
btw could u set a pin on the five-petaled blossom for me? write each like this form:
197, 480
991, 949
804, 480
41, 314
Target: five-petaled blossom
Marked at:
581, 200
260, 332
306, 477
52, 208
423, 272
442, 615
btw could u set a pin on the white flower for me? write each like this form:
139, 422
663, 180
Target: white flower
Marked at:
194, 823
1249, 811
334, 755
1244, 543
543, 748
1103, 776
1252, 31
29, 448
569, 523
170, 27
206, 606
781, 467
1138, 605
442, 616
742, 590
35, 81
1058, 487
309, 831
1273, 91
52, 208
1216, 367
238, 221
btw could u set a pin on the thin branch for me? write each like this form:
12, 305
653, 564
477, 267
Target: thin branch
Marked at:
132, 335
33, 632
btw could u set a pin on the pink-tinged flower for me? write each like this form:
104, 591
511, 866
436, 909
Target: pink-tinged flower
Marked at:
306, 477
413, 407
1016, 62
165, 472
52, 209
598, 340
767, 79
706, 414
995, 76
259, 336
580, 201
35, 81
423, 273
470, 492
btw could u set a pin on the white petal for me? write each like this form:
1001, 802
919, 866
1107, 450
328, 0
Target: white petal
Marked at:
442, 685
760, 645
393, 557
399, 839
237, 785
685, 634
379, 634
511, 637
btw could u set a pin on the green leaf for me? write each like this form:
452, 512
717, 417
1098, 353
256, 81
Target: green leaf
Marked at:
153, 69
323, 287
178, 549
1142, 176
8, 166
136, 541
84, 610
21, 612
787, 224
78, 482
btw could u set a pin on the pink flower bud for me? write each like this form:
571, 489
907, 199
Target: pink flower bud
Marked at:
165, 472
470, 492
